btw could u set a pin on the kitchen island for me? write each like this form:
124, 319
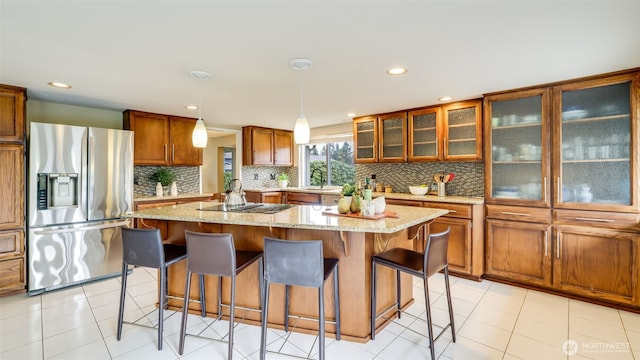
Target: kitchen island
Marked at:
351, 240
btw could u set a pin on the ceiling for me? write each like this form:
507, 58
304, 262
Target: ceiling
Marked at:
136, 55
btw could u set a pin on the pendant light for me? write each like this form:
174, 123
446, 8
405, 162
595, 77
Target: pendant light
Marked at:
199, 137
301, 132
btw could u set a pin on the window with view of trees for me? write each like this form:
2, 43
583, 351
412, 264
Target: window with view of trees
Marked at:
333, 160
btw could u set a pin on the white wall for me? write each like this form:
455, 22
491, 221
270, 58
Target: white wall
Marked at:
210, 162
54, 113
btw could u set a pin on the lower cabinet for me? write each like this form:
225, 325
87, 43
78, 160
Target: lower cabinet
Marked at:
269, 197
519, 251
596, 262
12, 263
299, 198
599, 260
466, 238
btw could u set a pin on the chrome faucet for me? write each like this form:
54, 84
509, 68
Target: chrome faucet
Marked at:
321, 177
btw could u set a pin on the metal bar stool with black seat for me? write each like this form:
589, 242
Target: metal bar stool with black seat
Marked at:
422, 265
143, 247
298, 263
215, 254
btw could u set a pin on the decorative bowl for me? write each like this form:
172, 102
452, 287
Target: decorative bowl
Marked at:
418, 190
378, 205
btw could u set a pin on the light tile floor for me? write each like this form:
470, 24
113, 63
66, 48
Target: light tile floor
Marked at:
493, 321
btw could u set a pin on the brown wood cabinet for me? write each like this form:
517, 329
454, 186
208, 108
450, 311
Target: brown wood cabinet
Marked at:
393, 137
12, 190
266, 146
12, 113
519, 251
556, 217
598, 263
424, 127
162, 139
451, 132
462, 131
300, 198
365, 139
466, 237
269, 197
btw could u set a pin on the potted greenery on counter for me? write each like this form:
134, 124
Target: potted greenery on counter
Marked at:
163, 177
283, 180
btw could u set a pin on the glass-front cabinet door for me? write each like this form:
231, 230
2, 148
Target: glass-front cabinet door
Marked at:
596, 136
365, 138
423, 142
462, 133
393, 137
517, 145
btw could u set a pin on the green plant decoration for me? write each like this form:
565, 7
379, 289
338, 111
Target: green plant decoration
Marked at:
163, 176
283, 176
348, 189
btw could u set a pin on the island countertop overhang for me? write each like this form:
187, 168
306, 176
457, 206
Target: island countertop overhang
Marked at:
298, 217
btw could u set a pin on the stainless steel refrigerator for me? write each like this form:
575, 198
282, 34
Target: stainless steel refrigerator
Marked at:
80, 185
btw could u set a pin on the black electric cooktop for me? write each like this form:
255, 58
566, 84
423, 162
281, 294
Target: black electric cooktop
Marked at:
253, 208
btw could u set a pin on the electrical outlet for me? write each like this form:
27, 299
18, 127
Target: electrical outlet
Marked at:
272, 176
255, 176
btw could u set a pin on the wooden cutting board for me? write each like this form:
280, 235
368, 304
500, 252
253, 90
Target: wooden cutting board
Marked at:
386, 214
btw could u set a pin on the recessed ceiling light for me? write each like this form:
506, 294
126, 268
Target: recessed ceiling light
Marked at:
397, 71
199, 74
445, 98
191, 107
351, 114
59, 85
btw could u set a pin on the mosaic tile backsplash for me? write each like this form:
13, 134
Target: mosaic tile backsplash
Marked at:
264, 174
187, 180
468, 181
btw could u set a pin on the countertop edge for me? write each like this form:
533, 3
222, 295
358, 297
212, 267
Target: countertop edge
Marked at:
166, 213
169, 197
397, 196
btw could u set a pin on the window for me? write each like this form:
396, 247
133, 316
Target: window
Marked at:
333, 160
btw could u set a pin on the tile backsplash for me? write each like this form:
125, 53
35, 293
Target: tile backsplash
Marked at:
468, 181
469, 176
187, 180
264, 173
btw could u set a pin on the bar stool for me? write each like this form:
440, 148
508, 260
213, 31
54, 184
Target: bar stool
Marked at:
143, 247
215, 254
422, 265
298, 263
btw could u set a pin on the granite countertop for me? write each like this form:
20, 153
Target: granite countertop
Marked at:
432, 198
168, 197
299, 216
399, 196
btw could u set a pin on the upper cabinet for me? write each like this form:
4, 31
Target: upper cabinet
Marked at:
365, 138
265, 146
393, 137
424, 127
569, 146
162, 139
12, 114
596, 143
462, 131
517, 146
451, 132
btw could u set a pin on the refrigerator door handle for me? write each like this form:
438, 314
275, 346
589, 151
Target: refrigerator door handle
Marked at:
90, 174
85, 228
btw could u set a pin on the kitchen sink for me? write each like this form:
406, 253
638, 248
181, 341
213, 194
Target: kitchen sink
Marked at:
316, 189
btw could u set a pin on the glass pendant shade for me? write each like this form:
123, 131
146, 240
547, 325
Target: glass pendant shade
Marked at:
301, 133
199, 136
